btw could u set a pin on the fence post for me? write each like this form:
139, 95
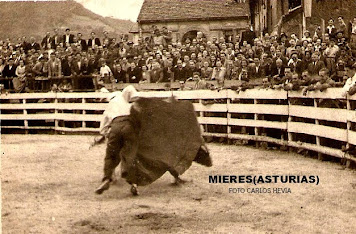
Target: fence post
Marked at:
25, 113
290, 119
228, 102
201, 114
255, 116
84, 112
320, 155
348, 128
55, 114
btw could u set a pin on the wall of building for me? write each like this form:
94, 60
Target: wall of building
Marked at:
326, 9
321, 9
209, 28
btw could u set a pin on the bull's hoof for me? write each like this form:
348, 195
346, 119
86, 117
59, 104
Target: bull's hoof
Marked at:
104, 186
134, 190
178, 181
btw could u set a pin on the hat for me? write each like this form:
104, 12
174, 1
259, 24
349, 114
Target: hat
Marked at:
130, 93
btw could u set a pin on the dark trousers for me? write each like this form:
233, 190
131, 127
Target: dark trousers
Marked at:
122, 145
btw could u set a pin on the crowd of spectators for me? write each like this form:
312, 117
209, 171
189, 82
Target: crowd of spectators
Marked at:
316, 61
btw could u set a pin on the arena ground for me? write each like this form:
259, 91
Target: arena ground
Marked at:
48, 184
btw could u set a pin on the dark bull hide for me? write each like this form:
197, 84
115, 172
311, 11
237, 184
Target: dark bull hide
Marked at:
169, 140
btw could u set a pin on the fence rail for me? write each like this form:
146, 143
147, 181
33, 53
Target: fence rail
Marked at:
323, 122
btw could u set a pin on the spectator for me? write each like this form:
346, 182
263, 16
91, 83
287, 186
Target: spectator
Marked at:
67, 38
180, 73
330, 55
353, 30
66, 65
93, 41
46, 41
295, 64
331, 29
278, 69
219, 73
119, 73
105, 73
55, 39
267, 56
316, 65
191, 69
342, 28
146, 75
168, 72
2, 66
65, 86
9, 71
134, 73
157, 38
54, 66
206, 71
254, 69
82, 42
156, 73
350, 86
20, 81
33, 44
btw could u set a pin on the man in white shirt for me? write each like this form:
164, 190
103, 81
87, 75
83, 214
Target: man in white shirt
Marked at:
122, 136
68, 38
349, 86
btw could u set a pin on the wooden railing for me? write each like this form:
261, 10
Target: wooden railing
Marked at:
323, 122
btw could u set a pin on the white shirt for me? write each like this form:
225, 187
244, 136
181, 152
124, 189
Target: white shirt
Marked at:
353, 29
117, 107
67, 38
348, 85
105, 71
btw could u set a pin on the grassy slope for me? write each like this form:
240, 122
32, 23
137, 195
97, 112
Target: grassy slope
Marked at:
34, 19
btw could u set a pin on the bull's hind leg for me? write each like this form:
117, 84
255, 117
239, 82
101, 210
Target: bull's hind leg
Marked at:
177, 180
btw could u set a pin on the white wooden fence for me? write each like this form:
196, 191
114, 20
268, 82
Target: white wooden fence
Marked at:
322, 122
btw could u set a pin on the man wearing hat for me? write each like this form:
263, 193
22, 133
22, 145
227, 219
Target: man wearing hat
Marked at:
9, 71
295, 63
118, 128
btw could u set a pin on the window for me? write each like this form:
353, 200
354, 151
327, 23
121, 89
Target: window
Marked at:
294, 3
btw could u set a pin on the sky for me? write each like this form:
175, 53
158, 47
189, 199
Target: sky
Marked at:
120, 9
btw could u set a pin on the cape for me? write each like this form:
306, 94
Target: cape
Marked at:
169, 139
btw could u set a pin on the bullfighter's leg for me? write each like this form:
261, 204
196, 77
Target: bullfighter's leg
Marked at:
134, 189
128, 153
112, 158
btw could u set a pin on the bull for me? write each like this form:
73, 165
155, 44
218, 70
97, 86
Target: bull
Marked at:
158, 135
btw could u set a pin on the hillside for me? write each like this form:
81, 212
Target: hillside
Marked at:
36, 18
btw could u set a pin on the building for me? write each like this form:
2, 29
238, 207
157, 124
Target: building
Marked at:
266, 15
184, 18
287, 15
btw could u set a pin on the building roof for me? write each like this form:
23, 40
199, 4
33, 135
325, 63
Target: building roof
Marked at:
188, 10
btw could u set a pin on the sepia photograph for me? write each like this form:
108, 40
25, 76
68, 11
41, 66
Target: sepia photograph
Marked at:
178, 116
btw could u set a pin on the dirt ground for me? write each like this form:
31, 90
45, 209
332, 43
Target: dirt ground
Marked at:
48, 184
